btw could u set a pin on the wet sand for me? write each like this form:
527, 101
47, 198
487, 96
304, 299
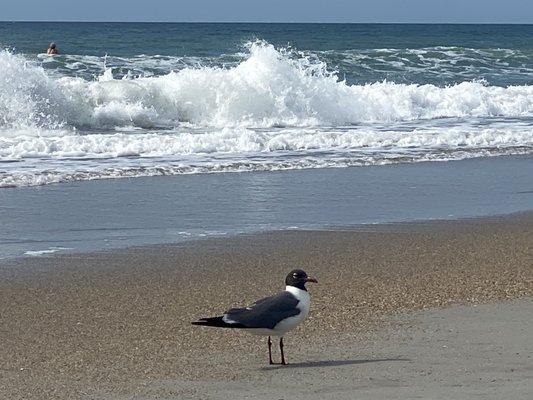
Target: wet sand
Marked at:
116, 324
118, 213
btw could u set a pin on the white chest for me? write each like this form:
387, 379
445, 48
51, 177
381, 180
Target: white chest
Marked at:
292, 322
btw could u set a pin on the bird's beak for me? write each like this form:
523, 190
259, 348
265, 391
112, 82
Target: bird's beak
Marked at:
309, 279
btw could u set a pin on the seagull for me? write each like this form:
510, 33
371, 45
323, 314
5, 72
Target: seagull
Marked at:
271, 316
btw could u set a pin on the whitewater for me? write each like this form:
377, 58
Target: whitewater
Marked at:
262, 108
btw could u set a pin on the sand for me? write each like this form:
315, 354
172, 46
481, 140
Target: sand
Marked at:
116, 324
465, 352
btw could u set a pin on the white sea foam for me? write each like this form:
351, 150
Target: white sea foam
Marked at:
50, 250
236, 141
269, 88
36, 175
274, 110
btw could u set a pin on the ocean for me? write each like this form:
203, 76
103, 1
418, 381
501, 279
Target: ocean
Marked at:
126, 99
132, 100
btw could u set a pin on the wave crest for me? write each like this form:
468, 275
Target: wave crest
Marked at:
272, 87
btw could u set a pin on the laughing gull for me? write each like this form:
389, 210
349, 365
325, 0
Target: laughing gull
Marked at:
271, 316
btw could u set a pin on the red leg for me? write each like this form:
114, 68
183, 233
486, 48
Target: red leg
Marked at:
270, 351
282, 354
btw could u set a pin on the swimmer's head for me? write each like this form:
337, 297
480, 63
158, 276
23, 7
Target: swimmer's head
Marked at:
52, 45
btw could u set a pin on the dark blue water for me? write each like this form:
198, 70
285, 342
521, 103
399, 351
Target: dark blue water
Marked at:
501, 54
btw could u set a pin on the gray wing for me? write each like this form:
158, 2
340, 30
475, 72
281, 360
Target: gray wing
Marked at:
265, 313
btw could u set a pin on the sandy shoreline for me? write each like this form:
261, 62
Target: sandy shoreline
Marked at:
120, 213
106, 325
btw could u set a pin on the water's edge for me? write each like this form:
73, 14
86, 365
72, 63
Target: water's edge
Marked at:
100, 215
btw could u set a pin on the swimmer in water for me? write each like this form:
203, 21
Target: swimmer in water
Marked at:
52, 49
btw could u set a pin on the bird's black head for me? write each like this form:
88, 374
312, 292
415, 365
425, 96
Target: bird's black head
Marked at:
298, 278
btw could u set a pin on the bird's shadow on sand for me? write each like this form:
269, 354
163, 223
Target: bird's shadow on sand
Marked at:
330, 363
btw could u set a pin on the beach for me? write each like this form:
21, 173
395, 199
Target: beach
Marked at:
152, 174
116, 324
118, 213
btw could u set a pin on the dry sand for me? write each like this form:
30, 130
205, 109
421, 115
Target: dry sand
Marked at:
464, 352
116, 324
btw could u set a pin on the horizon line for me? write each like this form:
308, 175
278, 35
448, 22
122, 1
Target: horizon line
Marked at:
268, 22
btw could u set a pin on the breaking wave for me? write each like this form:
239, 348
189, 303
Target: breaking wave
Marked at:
269, 88
268, 109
